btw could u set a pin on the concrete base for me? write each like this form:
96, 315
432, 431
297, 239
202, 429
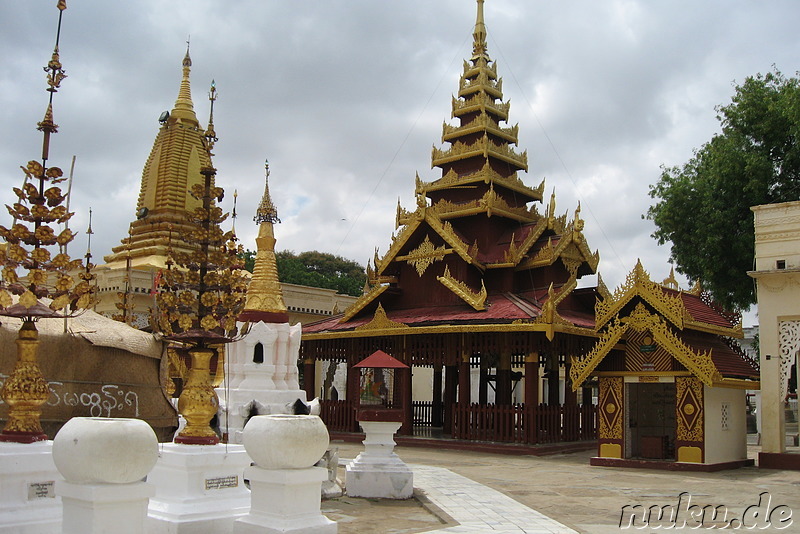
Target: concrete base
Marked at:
28, 502
101, 508
199, 489
285, 501
378, 472
779, 460
669, 465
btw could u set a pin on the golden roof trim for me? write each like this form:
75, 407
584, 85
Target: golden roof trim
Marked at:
483, 147
463, 291
479, 102
516, 326
381, 322
361, 302
638, 283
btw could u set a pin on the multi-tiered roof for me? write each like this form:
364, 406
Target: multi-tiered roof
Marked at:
474, 250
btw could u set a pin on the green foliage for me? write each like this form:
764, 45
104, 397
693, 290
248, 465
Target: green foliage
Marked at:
316, 269
703, 207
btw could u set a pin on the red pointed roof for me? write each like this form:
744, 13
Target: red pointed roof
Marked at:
382, 360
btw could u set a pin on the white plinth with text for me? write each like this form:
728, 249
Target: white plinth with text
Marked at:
378, 472
199, 489
28, 503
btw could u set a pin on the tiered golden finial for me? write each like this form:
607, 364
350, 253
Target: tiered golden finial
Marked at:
39, 205
184, 108
264, 296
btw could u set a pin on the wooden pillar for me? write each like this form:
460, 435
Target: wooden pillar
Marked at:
503, 393
436, 417
586, 393
464, 379
532, 379
552, 381
570, 395
450, 383
407, 429
309, 378
483, 383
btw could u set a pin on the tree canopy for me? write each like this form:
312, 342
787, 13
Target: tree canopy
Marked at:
703, 207
316, 269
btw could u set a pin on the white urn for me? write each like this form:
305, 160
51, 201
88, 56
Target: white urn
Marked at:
97, 450
285, 441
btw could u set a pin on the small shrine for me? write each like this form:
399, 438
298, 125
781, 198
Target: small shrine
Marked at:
672, 381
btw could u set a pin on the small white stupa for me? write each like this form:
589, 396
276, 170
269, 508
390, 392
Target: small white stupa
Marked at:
261, 377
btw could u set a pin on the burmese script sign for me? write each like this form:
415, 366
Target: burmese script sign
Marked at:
41, 490
231, 481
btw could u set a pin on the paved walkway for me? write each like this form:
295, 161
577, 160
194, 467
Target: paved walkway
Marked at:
484, 492
477, 508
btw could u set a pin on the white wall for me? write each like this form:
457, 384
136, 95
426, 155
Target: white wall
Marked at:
725, 445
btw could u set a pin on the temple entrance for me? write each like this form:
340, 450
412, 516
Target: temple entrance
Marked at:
651, 421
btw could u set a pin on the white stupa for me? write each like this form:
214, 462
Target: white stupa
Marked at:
261, 376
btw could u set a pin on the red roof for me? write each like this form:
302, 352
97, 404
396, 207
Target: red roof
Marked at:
728, 361
500, 309
381, 359
701, 311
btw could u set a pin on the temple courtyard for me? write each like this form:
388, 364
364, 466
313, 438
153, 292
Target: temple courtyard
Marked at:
483, 492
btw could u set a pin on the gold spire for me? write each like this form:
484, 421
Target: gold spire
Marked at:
184, 108
479, 35
180, 151
264, 297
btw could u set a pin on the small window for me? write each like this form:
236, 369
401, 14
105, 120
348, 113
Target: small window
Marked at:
258, 353
780, 264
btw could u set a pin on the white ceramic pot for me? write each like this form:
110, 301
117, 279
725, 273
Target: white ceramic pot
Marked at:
97, 450
285, 441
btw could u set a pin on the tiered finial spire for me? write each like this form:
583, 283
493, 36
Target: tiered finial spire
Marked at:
184, 107
264, 295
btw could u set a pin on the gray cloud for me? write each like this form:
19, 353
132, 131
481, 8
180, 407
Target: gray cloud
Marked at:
346, 98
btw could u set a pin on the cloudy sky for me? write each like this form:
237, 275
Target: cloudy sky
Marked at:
346, 98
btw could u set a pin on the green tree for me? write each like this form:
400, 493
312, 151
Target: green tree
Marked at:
315, 269
703, 207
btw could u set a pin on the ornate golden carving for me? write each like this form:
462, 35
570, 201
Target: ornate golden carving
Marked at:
198, 402
611, 412
424, 255
476, 300
582, 367
398, 241
549, 315
638, 283
482, 147
602, 288
481, 123
689, 409
25, 390
699, 363
381, 322
480, 101
362, 301
489, 203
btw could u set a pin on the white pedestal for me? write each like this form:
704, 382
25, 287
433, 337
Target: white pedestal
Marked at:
285, 501
102, 508
199, 489
28, 502
378, 472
